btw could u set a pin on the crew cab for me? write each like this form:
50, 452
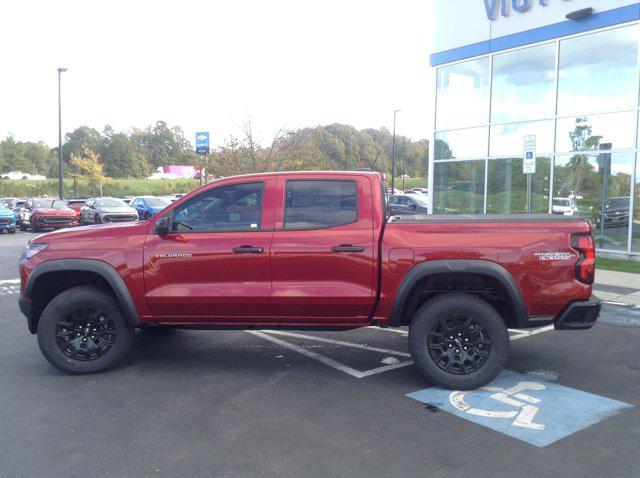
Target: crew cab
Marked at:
310, 250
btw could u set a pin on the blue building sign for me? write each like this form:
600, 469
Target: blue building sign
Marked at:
517, 5
202, 142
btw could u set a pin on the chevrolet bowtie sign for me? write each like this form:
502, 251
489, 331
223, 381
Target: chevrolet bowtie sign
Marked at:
202, 143
492, 6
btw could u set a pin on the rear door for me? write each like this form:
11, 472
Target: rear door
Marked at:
323, 249
213, 266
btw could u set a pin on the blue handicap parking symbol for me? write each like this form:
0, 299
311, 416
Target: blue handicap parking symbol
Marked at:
524, 407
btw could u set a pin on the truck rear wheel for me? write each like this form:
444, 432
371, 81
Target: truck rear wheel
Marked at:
458, 341
83, 331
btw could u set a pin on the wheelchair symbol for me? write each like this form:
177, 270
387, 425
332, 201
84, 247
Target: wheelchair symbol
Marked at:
523, 417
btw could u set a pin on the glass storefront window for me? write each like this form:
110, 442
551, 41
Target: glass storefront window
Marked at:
461, 143
598, 72
459, 187
579, 178
507, 186
524, 84
508, 139
463, 94
610, 131
635, 225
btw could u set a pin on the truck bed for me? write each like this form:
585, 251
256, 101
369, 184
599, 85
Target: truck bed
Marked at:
411, 218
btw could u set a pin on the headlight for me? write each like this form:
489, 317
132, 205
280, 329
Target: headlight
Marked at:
33, 248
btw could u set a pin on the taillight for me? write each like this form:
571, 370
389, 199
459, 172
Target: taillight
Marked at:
586, 265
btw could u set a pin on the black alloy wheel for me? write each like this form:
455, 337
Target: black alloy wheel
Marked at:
85, 334
459, 344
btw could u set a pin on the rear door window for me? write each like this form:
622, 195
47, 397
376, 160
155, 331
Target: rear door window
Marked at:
319, 204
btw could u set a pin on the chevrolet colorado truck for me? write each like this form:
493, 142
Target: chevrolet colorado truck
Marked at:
310, 250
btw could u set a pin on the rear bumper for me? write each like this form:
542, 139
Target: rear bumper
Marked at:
579, 315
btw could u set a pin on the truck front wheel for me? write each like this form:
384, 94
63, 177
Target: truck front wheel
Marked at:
458, 341
83, 331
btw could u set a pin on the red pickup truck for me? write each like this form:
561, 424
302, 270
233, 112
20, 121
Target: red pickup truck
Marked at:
312, 250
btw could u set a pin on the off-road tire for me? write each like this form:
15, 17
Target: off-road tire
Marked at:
447, 306
65, 304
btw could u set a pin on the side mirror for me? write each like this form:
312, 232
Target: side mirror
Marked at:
162, 226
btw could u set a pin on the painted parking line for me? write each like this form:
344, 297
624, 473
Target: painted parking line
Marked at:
514, 334
524, 407
391, 365
9, 287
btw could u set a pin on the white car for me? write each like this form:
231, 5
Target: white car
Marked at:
21, 175
565, 207
159, 175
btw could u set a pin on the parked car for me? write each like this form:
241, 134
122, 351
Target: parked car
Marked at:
7, 218
21, 175
100, 210
616, 212
127, 199
310, 250
76, 204
408, 204
175, 197
162, 175
147, 206
46, 213
424, 191
17, 204
564, 206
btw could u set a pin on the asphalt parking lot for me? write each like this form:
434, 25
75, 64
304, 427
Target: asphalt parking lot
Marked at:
238, 403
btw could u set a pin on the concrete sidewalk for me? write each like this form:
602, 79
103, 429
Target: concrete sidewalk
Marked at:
620, 287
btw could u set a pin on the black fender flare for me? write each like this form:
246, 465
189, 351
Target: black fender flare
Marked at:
103, 269
473, 266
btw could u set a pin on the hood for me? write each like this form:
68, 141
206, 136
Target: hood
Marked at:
54, 212
113, 236
7, 212
115, 210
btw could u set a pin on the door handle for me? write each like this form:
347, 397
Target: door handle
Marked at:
248, 250
347, 248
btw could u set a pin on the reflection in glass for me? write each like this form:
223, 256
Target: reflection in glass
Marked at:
635, 244
598, 72
508, 139
524, 84
507, 186
461, 143
459, 187
580, 178
463, 94
610, 131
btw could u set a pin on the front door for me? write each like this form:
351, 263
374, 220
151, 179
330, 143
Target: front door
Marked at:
213, 266
323, 249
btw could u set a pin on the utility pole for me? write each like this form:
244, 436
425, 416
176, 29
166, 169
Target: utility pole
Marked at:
393, 153
60, 192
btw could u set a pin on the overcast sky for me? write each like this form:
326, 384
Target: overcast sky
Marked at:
211, 65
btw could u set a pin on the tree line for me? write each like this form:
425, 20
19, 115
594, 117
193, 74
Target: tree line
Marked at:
138, 152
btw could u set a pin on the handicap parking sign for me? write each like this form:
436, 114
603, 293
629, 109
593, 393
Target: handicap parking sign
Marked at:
524, 407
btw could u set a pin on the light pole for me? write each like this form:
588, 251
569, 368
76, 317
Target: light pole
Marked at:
393, 153
60, 71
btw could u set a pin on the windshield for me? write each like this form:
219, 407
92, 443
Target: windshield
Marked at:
3, 205
76, 202
157, 202
48, 204
561, 202
419, 200
618, 202
110, 202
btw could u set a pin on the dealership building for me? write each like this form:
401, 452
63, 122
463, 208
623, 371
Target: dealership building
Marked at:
537, 111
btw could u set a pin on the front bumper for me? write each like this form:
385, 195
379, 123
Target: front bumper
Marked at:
25, 308
579, 315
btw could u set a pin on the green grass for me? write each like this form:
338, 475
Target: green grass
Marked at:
618, 265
